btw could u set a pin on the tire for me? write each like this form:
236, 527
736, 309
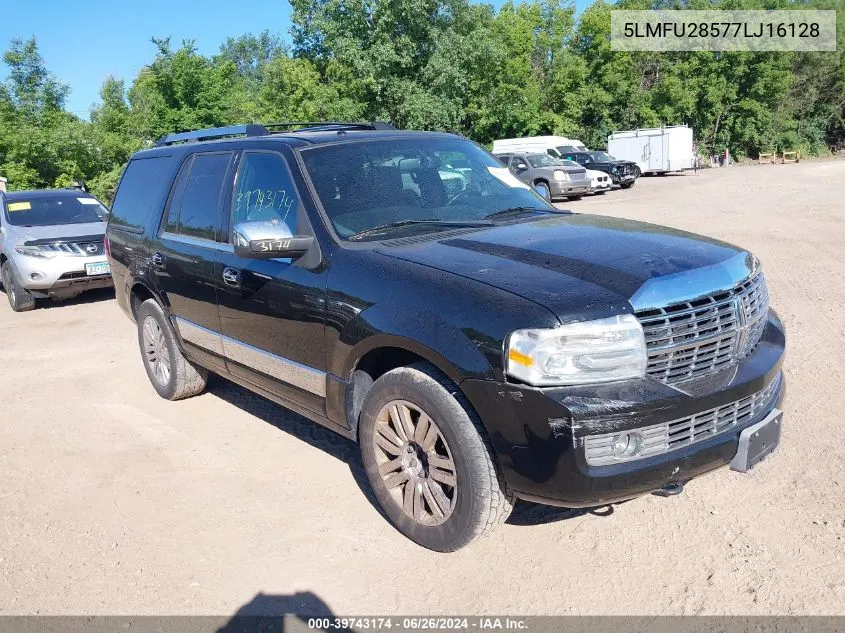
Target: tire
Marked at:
458, 514
601, 193
543, 189
19, 298
638, 173
160, 351
628, 185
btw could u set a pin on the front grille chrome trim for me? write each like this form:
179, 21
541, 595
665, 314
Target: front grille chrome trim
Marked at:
698, 337
669, 436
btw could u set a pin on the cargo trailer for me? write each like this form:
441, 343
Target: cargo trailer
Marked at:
655, 150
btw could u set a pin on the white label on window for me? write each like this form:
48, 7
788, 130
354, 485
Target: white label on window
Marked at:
504, 174
91, 201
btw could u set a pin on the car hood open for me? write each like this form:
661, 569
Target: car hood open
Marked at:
584, 266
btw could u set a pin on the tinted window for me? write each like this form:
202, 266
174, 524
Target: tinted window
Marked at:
412, 184
54, 209
265, 192
172, 224
142, 191
198, 211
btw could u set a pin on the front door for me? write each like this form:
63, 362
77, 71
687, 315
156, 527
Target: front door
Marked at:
185, 250
272, 311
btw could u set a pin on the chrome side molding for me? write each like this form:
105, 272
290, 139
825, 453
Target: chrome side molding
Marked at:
262, 361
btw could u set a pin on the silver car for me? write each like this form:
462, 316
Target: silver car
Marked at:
51, 245
552, 178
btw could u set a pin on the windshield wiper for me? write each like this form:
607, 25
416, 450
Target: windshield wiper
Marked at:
516, 211
400, 223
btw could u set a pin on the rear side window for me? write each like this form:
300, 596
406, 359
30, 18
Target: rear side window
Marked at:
142, 191
195, 211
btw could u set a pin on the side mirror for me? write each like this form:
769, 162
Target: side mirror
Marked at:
269, 240
521, 166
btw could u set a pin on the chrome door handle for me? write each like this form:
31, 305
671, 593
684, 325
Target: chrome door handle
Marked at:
231, 277
158, 260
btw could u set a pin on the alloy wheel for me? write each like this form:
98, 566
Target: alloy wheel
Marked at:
156, 353
415, 463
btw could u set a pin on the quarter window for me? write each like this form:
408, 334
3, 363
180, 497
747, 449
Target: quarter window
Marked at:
265, 192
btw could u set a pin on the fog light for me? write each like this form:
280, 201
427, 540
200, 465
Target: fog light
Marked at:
627, 444
36, 276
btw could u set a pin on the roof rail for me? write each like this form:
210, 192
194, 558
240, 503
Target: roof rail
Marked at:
312, 126
213, 133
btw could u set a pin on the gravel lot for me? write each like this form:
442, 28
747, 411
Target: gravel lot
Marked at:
114, 501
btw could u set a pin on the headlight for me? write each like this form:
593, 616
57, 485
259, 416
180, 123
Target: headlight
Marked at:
579, 353
35, 251
561, 175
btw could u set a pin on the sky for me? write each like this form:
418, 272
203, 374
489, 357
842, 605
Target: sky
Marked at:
84, 42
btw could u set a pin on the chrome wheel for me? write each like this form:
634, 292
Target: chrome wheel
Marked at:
415, 463
156, 353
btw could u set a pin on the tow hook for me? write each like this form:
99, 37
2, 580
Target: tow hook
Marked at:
670, 490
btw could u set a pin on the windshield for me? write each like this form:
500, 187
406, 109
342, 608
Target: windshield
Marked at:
425, 183
601, 157
543, 160
50, 210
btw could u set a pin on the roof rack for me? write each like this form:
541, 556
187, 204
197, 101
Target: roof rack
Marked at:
253, 129
213, 133
317, 126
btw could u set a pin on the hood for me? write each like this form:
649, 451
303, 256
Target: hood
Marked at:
58, 232
584, 266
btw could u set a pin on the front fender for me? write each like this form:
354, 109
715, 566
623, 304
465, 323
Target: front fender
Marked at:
449, 348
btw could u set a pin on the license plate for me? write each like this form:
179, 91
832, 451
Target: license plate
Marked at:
757, 442
100, 268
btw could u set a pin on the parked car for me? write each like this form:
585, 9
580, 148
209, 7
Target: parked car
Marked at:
550, 177
623, 173
51, 245
655, 150
554, 146
600, 182
481, 346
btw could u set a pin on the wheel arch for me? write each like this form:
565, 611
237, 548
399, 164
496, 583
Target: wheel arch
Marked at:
139, 292
377, 355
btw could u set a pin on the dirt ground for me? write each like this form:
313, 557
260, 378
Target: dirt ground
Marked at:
114, 501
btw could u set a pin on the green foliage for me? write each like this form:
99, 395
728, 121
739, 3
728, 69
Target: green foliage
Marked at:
528, 68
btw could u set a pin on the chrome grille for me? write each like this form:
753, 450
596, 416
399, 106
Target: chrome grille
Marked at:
695, 338
75, 249
668, 436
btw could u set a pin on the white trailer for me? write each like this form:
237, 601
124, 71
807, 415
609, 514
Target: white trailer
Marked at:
655, 150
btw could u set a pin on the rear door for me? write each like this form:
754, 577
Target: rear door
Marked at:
272, 311
184, 253
657, 153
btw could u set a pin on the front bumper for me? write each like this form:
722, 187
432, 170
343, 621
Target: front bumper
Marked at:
569, 187
58, 277
622, 179
539, 434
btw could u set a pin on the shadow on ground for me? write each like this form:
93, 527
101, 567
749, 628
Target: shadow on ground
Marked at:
303, 429
345, 450
265, 613
91, 296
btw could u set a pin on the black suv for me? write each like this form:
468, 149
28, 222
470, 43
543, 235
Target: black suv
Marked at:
623, 173
407, 291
